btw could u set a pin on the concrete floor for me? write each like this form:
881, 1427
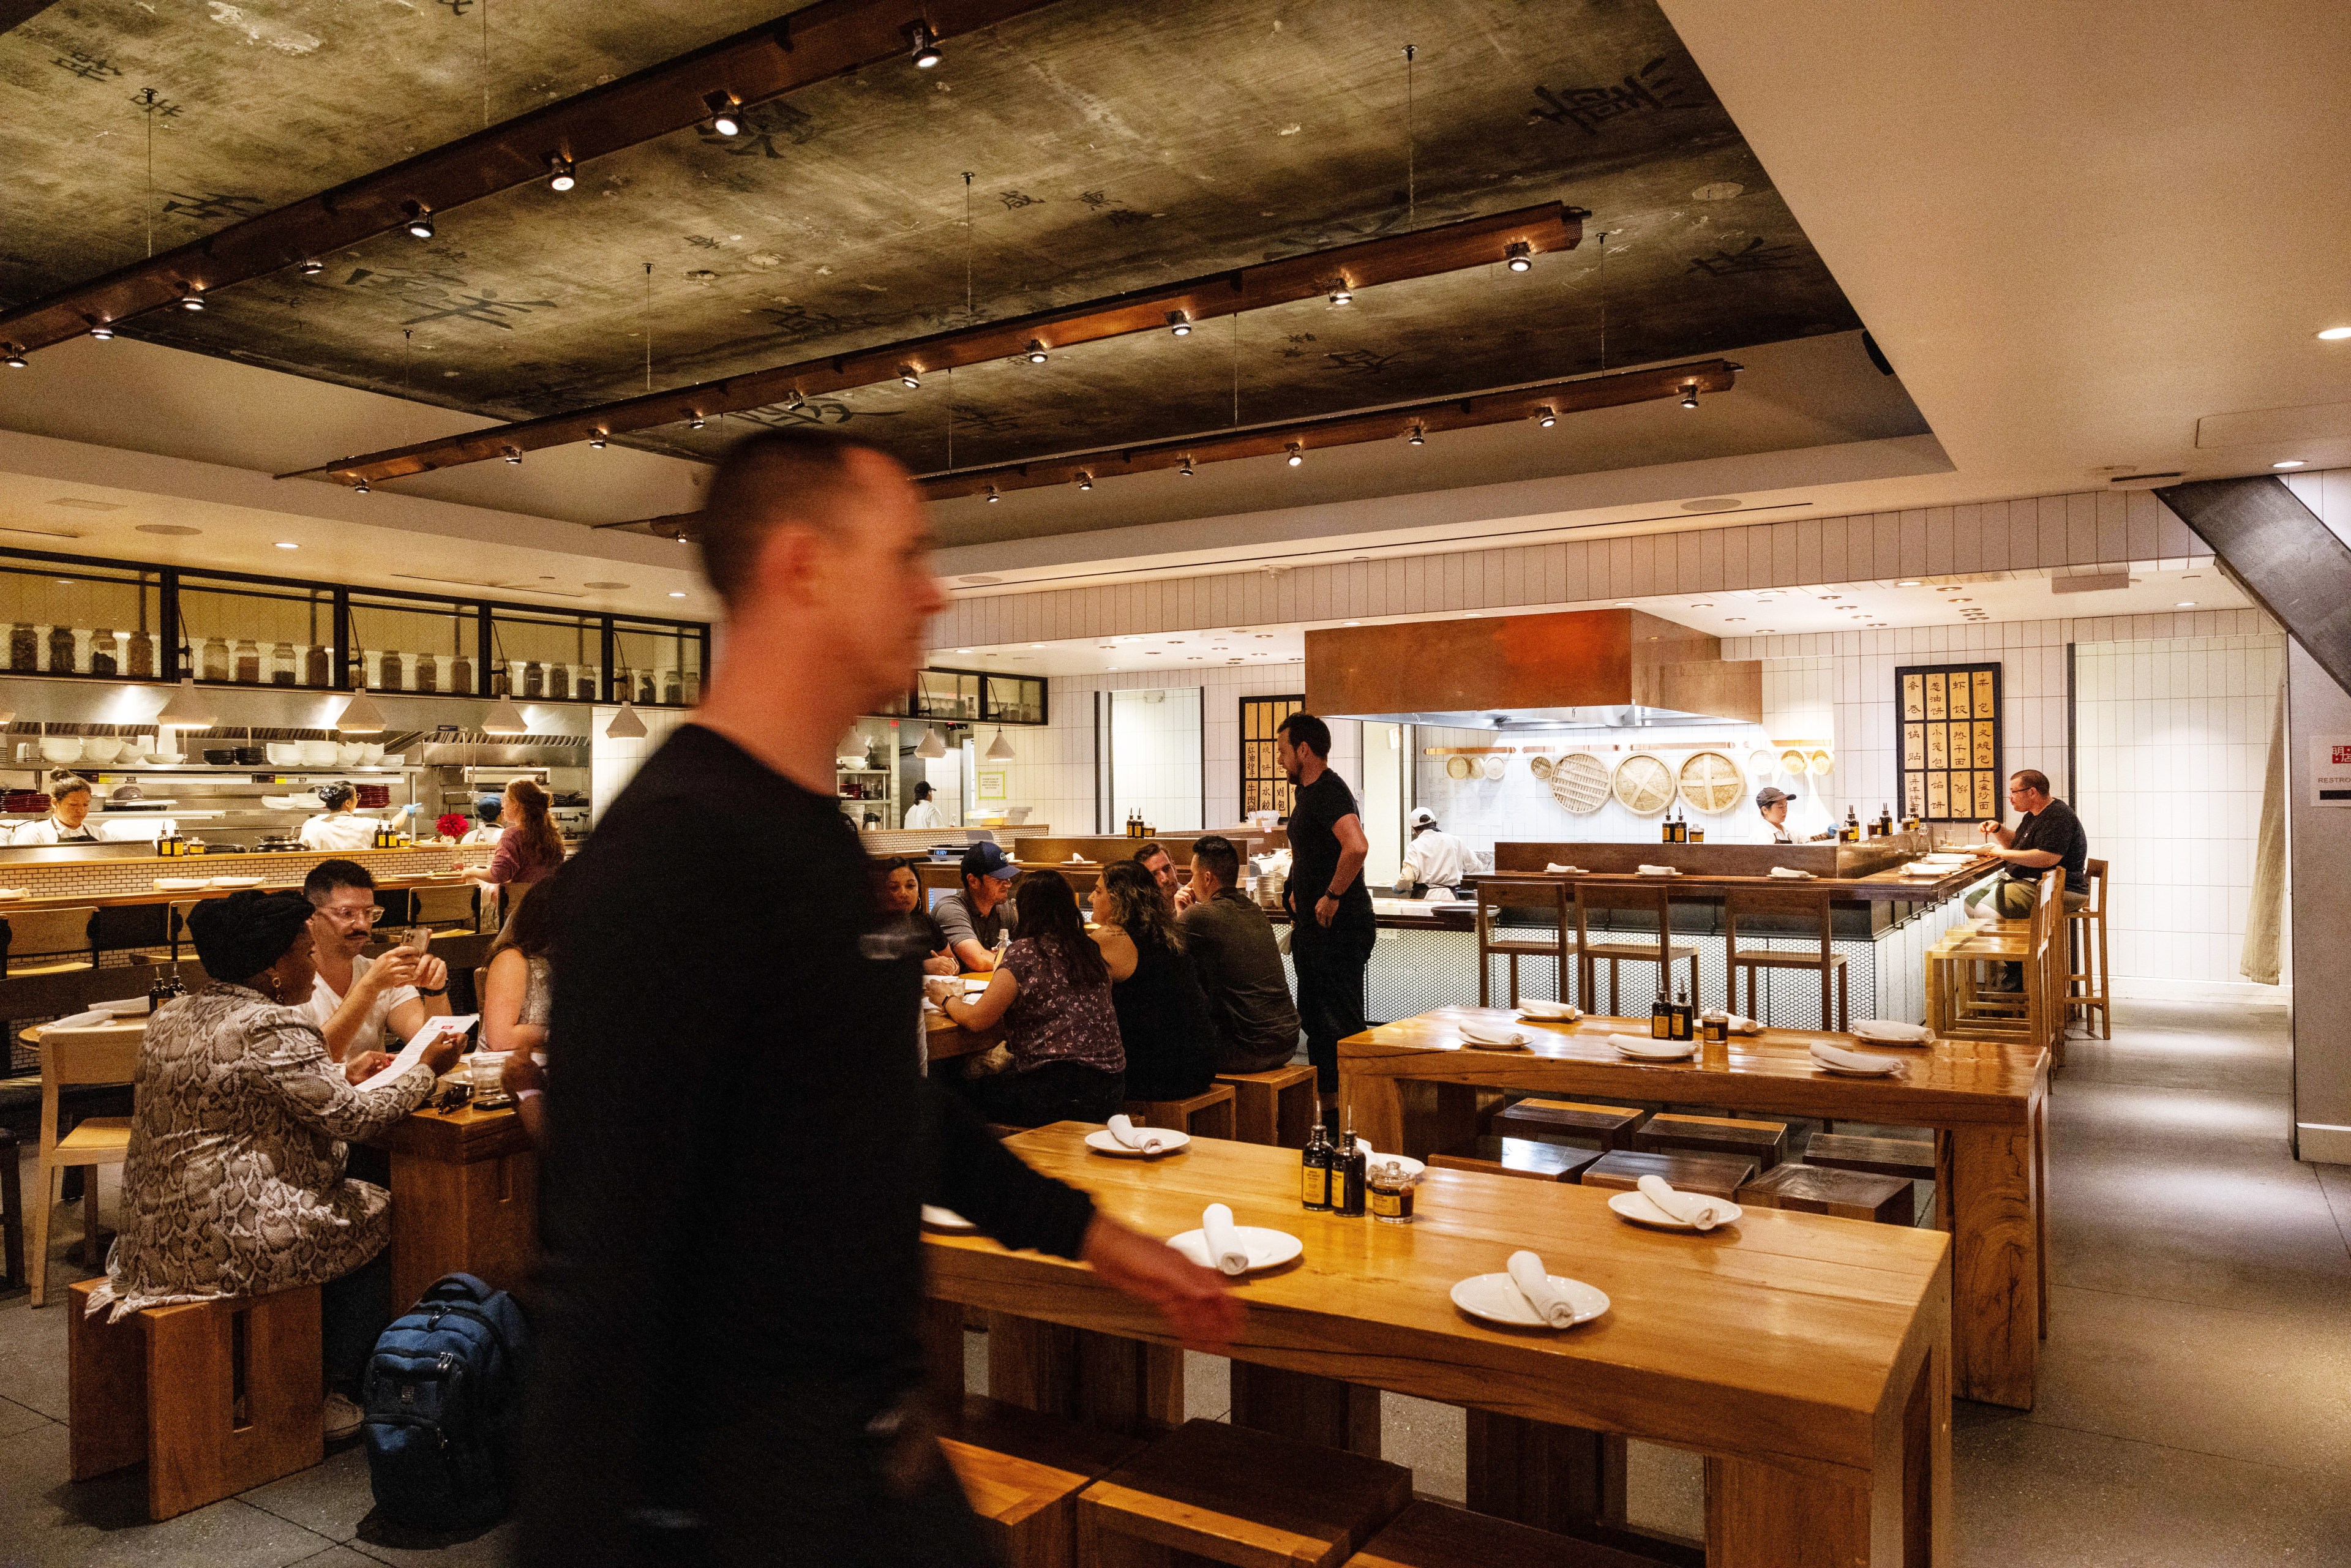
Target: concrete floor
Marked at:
2195, 1402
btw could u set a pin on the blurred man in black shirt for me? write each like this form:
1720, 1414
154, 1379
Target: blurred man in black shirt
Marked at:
739, 1139
1330, 929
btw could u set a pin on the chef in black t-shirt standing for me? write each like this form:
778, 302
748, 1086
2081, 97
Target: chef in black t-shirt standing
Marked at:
1330, 929
2050, 834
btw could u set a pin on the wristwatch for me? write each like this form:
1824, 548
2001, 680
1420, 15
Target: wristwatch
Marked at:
435, 991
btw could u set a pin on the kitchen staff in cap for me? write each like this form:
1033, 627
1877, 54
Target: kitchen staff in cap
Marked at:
1435, 859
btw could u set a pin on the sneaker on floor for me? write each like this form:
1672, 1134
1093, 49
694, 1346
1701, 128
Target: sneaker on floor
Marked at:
342, 1418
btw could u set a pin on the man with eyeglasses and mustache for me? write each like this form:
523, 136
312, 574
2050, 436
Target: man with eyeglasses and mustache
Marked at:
356, 998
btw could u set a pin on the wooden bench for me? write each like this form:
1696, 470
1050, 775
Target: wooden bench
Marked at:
1516, 1157
1849, 1195
1276, 1107
216, 1397
1610, 1126
1207, 1114
1913, 1158
1715, 1175
1765, 1143
1432, 1535
1231, 1494
1022, 1472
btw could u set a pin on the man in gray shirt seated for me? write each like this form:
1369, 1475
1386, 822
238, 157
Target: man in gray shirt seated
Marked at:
975, 918
1232, 948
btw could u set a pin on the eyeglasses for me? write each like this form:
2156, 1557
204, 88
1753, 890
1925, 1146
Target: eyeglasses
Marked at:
372, 915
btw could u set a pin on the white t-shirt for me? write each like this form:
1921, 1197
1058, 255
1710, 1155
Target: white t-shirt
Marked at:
925, 814
324, 1000
49, 831
1765, 833
488, 833
339, 831
1436, 858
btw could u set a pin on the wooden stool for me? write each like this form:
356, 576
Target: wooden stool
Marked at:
216, 1397
2088, 988
1649, 895
1230, 1494
1609, 1125
1811, 904
1910, 1158
1715, 1175
1431, 1535
1848, 1195
12, 1211
1207, 1114
1765, 1143
1022, 1472
1516, 1157
1275, 1107
1492, 896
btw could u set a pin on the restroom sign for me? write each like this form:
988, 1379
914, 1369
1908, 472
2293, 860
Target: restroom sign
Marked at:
2330, 770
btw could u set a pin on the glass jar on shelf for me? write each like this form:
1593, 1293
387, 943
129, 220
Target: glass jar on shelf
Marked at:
428, 672
213, 658
533, 679
61, 651
105, 651
283, 671
24, 649
140, 663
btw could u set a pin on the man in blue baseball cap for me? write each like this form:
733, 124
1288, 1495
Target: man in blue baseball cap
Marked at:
981, 917
487, 831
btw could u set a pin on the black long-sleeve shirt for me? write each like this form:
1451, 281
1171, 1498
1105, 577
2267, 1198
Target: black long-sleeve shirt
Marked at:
739, 1142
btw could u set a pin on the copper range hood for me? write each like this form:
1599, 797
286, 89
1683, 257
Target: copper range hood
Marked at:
1612, 668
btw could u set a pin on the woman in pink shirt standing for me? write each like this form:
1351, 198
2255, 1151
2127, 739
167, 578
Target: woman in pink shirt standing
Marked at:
529, 851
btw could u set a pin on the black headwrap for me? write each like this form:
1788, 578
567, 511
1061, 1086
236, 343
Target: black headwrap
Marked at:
332, 796
242, 934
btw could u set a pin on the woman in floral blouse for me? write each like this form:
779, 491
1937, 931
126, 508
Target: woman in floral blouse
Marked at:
234, 1183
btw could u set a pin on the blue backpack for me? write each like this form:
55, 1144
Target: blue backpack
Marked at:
442, 1397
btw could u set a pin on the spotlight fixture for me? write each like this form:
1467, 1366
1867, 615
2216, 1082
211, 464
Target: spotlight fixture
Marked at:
14, 358
514, 454
361, 487
1185, 470
420, 219
1517, 256
696, 422
907, 378
1689, 395
311, 266
1035, 351
726, 117
1179, 323
191, 297
1546, 416
1340, 293
1297, 455
924, 44
1085, 480
994, 495
596, 442
102, 330
562, 173
2287, 463
1415, 438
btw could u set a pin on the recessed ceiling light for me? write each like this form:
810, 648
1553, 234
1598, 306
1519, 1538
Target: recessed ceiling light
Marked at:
1036, 644
603, 585
2287, 463
287, 544
1470, 615
1908, 582
1623, 604
963, 650
675, 593
175, 529
1353, 623
2185, 604
1734, 618
2334, 334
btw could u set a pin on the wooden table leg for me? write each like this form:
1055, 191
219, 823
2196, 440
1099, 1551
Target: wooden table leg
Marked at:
1114, 1384
1377, 1101
479, 1218
1995, 1263
1563, 1478
941, 1324
1032, 1365
1758, 1516
1310, 1409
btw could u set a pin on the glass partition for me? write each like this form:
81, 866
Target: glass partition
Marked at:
548, 658
656, 665
80, 619
414, 645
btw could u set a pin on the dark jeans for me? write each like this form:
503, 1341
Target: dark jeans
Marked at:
353, 1312
1057, 1092
1330, 961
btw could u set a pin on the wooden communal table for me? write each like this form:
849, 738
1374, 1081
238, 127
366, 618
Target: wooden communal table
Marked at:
1701, 882
465, 1199
1807, 1358
1412, 1087
192, 894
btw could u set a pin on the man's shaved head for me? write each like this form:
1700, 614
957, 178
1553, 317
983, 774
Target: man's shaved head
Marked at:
808, 478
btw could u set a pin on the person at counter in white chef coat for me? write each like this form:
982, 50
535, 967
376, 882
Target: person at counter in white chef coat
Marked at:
487, 829
1772, 805
338, 828
68, 818
924, 813
1435, 859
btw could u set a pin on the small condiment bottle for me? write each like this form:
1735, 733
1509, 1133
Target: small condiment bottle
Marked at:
1391, 1192
1661, 1018
1714, 1026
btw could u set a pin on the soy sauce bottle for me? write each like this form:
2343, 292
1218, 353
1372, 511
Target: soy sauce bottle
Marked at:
1661, 1018
1349, 1172
1314, 1170
1684, 1019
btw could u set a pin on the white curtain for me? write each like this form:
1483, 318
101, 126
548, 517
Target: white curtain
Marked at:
2265, 911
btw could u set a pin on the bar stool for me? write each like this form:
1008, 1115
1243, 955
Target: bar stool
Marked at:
1496, 893
1648, 896
1022, 1471
1516, 1157
2088, 986
1812, 903
1958, 1004
1848, 1195
1218, 1493
1762, 1142
48, 941
108, 1053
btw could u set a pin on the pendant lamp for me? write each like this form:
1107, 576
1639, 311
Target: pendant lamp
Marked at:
361, 716
506, 718
931, 747
626, 725
187, 710
999, 749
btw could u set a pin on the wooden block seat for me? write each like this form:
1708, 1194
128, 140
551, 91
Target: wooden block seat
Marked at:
1275, 1107
1848, 1195
216, 1397
1022, 1471
1913, 1158
1230, 1494
1432, 1535
1765, 1143
1207, 1114
1610, 1126
1516, 1157
1716, 1175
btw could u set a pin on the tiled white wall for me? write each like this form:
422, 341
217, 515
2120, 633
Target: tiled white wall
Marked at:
613, 763
2114, 529
2174, 743
1160, 771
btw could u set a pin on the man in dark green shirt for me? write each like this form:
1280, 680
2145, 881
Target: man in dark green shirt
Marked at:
1233, 951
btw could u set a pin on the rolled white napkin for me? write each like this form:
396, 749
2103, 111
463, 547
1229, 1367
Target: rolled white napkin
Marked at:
1143, 1138
1928, 867
1650, 1045
1660, 870
1533, 1280
1555, 869
1225, 1245
1852, 1060
1691, 1208
1744, 1026
1792, 873
1493, 1034
1893, 1033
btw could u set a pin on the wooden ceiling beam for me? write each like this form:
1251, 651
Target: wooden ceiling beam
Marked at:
1615, 389
1449, 248
817, 43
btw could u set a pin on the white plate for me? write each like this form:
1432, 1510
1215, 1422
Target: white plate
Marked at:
1493, 1298
938, 1219
236, 881
1872, 1029
1502, 1040
1105, 1142
1886, 1071
8, 893
1635, 1206
179, 884
1267, 1248
1550, 1012
1668, 1050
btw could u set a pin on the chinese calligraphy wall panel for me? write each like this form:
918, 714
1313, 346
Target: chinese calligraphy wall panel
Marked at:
1950, 744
